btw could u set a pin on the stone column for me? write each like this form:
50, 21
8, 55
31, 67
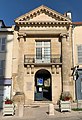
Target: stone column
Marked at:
20, 78
66, 62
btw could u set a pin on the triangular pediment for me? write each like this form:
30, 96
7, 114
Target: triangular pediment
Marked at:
42, 13
42, 17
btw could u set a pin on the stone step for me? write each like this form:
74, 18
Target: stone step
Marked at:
38, 103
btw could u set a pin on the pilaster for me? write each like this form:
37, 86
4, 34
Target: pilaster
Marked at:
20, 77
66, 62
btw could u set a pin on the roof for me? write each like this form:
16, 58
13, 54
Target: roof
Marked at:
77, 23
3, 24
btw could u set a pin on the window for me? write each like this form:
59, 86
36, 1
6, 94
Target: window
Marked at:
42, 51
38, 53
2, 67
2, 44
79, 50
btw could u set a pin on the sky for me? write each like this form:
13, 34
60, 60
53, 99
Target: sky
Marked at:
12, 9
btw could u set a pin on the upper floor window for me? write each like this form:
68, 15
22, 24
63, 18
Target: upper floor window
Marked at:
2, 44
79, 52
42, 51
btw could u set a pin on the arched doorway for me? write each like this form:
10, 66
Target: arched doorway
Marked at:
43, 85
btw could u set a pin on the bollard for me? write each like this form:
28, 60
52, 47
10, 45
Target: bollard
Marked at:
20, 110
51, 109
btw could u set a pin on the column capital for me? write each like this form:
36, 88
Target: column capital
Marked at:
28, 66
64, 35
21, 35
32, 66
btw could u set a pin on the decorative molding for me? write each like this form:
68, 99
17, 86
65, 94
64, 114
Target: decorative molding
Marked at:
28, 69
65, 35
21, 36
57, 69
43, 23
42, 9
53, 69
32, 69
55, 32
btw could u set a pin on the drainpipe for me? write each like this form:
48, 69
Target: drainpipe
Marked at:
73, 59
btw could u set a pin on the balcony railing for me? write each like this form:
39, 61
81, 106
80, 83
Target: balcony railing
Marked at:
30, 59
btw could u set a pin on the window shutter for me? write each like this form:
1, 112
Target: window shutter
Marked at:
79, 49
2, 67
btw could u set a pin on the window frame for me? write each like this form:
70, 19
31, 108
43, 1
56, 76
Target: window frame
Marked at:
43, 46
2, 44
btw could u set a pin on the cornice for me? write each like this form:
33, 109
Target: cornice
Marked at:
42, 32
41, 23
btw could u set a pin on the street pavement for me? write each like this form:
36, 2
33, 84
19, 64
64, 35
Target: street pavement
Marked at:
41, 113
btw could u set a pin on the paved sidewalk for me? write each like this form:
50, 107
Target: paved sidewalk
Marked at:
41, 113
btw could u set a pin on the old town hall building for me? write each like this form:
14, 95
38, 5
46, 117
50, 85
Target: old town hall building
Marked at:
42, 55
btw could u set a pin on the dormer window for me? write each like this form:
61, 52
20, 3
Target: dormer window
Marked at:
2, 24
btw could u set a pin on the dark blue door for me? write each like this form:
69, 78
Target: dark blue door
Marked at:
79, 88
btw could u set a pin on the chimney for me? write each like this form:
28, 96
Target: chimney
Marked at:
68, 14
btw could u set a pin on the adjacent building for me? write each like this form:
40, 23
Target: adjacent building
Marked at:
77, 58
6, 44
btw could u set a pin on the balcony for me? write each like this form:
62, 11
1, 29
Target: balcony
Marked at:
32, 59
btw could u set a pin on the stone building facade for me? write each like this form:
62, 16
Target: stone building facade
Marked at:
42, 55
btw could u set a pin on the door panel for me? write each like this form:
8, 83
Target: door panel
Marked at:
43, 90
79, 88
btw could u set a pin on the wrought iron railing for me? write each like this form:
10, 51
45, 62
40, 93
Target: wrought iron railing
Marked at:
28, 59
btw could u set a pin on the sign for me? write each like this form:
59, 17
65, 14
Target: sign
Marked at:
40, 89
40, 81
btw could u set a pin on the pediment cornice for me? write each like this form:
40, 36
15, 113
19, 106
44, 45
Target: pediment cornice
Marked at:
57, 17
41, 23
